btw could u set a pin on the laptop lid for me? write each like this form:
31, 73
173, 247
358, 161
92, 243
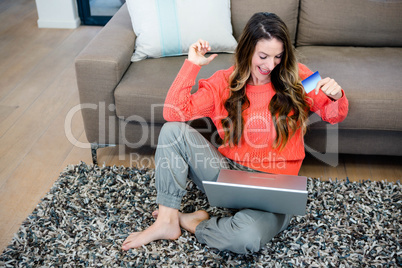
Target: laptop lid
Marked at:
285, 194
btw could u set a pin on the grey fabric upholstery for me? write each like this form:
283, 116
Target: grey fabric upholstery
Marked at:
138, 87
242, 10
350, 23
99, 69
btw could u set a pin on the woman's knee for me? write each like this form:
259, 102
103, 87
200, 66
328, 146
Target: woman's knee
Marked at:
172, 127
253, 230
171, 131
245, 237
247, 242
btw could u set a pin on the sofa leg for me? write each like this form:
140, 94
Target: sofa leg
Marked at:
94, 149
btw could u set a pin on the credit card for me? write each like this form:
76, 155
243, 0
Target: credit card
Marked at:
310, 82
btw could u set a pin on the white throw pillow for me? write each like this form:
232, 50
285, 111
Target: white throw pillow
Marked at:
168, 27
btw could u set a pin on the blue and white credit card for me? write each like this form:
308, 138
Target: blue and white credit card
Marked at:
310, 82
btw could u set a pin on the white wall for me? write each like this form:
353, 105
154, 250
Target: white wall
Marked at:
57, 14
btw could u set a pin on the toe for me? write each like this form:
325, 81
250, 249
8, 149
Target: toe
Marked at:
130, 238
155, 214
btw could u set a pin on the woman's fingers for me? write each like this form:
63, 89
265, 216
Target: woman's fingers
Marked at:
203, 46
320, 83
197, 52
329, 87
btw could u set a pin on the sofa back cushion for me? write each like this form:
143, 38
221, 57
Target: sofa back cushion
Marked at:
168, 27
350, 23
242, 10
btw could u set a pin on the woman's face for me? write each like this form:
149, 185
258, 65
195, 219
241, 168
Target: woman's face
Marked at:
267, 54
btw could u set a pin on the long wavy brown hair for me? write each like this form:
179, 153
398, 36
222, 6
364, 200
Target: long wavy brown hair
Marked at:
288, 107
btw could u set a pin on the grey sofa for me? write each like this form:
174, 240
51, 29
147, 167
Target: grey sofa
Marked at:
358, 43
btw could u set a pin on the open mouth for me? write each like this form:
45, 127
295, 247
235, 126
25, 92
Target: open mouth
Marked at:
263, 71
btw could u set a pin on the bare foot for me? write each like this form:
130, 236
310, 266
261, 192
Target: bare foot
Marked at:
165, 227
188, 221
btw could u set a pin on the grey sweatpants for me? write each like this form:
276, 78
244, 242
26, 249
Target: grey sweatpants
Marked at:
183, 152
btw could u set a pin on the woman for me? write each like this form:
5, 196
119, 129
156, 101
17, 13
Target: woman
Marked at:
260, 110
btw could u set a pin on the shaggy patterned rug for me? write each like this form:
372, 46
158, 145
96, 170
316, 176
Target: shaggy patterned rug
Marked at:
90, 210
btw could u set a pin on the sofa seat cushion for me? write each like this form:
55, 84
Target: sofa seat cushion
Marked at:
141, 93
371, 78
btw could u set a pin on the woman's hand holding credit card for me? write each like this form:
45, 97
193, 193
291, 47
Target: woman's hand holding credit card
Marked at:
327, 85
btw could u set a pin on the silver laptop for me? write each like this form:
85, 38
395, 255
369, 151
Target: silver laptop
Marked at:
285, 194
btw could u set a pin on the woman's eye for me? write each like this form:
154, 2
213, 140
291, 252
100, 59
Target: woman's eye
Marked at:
279, 56
263, 58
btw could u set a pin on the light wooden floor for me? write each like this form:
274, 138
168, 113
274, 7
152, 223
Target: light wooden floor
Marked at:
38, 89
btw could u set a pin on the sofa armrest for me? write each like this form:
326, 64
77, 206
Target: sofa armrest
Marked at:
106, 58
99, 69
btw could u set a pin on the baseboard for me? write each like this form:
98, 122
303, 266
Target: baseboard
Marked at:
71, 24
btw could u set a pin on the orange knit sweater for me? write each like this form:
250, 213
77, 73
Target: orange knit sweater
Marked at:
255, 149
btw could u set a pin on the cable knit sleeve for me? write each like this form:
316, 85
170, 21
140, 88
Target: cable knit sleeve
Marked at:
331, 111
180, 104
